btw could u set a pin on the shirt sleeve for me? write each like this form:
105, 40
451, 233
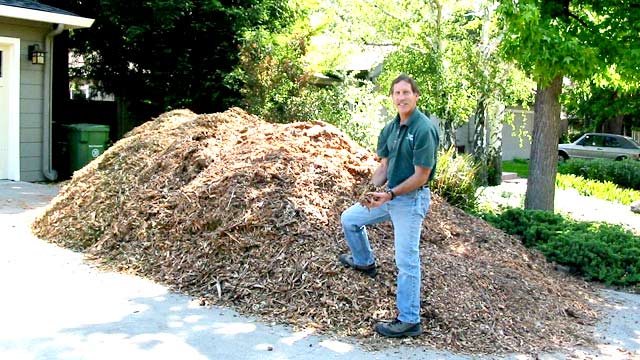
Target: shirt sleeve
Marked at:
383, 149
426, 147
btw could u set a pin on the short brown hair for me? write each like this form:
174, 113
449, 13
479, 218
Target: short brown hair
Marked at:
407, 78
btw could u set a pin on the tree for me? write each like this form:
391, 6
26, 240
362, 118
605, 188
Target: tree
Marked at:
169, 54
430, 48
281, 83
498, 85
405, 29
450, 48
605, 108
578, 39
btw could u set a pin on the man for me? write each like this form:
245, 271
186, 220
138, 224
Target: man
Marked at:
407, 148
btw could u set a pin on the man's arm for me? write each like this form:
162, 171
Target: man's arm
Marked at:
379, 177
420, 177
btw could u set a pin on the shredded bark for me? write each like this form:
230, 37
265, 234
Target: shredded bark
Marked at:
243, 213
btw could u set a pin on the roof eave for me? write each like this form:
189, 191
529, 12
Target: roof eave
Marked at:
69, 21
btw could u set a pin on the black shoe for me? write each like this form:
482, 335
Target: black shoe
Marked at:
397, 328
347, 260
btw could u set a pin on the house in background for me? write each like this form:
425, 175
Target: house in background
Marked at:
27, 30
516, 135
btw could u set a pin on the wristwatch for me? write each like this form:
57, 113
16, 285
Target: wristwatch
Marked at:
390, 192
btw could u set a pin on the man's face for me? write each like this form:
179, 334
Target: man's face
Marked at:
404, 98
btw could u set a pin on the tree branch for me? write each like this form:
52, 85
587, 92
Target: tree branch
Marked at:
582, 22
383, 10
420, 50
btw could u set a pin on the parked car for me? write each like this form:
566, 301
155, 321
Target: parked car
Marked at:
601, 146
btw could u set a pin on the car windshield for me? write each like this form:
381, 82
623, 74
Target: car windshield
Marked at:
634, 142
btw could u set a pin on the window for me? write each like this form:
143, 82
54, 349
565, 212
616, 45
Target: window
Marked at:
611, 142
628, 144
592, 140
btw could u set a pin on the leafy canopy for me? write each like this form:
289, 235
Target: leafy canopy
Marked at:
169, 54
577, 39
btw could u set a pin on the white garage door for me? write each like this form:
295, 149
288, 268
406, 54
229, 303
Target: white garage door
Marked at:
4, 114
9, 108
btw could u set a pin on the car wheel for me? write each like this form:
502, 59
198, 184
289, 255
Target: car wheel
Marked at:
562, 157
620, 158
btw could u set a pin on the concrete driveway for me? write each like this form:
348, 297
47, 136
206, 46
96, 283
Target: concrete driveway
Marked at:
56, 306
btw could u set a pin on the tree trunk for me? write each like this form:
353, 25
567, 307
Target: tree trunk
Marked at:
543, 164
494, 145
479, 149
449, 133
614, 125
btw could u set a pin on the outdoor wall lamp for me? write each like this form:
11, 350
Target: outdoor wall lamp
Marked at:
35, 54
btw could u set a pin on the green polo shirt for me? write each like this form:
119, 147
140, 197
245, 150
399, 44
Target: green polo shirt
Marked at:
405, 146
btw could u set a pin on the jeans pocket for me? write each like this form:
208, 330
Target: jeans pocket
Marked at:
422, 202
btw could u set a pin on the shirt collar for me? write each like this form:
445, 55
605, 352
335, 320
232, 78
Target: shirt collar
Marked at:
412, 118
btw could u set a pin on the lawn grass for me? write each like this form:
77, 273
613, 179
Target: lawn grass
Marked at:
518, 166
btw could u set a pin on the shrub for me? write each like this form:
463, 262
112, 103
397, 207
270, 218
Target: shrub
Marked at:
329, 104
625, 173
532, 226
597, 251
278, 88
456, 179
601, 190
601, 252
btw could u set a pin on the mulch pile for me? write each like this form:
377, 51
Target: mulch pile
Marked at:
243, 213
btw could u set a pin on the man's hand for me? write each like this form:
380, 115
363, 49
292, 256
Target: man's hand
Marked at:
375, 199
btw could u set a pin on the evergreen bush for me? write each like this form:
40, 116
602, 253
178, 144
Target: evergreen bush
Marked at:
597, 251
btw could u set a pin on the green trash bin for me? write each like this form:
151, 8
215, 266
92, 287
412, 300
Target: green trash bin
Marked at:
86, 142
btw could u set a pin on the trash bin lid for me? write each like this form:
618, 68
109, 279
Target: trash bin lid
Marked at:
85, 127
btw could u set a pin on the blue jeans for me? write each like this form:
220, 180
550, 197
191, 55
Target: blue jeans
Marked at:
406, 213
